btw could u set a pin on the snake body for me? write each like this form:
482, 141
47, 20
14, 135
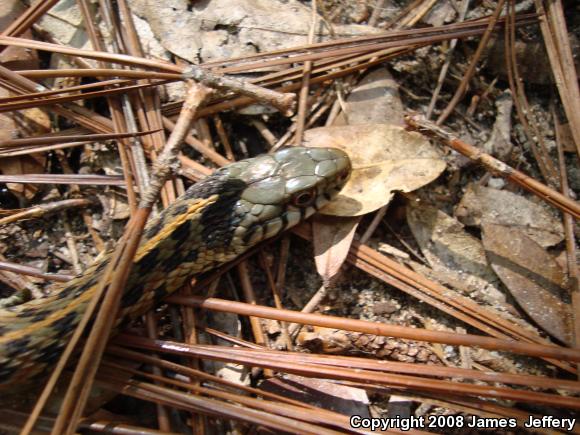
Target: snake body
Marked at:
216, 220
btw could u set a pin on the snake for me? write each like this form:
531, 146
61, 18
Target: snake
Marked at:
216, 220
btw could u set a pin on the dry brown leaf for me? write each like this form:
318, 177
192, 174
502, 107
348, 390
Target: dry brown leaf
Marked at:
319, 392
226, 29
451, 251
385, 159
486, 205
332, 237
20, 165
532, 276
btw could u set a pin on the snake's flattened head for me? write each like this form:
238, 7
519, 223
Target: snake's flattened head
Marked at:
284, 188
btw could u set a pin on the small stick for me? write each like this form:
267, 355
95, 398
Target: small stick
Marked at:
41, 210
264, 131
168, 160
70, 242
383, 329
447, 63
77, 393
570, 239
496, 166
471, 68
283, 102
305, 87
198, 145
250, 297
57, 139
276, 294
163, 420
33, 271
221, 131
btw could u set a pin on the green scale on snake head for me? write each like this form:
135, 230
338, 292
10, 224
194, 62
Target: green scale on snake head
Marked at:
216, 220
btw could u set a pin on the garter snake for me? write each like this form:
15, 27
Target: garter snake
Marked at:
216, 220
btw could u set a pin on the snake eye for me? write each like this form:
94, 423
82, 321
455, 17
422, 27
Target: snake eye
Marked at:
304, 199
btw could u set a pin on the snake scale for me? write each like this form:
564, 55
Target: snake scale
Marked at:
216, 220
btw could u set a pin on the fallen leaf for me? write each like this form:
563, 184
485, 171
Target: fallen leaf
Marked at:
481, 205
332, 237
33, 164
532, 276
385, 159
456, 254
374, 99
319, 392
442, 12
64, 22
199, 31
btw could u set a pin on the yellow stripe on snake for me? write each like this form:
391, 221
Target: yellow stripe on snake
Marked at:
216, 220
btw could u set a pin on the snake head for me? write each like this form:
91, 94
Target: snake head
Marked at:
279, 190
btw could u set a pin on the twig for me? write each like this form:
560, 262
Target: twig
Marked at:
524, 111
250, 297
382, 329
162, 411
314, 302
33, 271
54, 139
544, 192
570, 239
76, 396
555, 33
264, 131
167, 161
305, 87
90, 54
197, 145
221, 131
70, 242
276, 295
418, 12
42, 210
376, 13
283, 102
447, 63
474, 61
38, 74
282, 263
92, 180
